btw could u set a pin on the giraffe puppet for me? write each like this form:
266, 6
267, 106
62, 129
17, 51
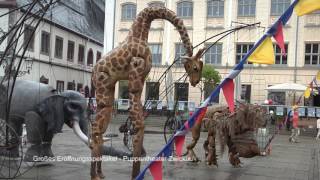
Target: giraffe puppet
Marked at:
131, 61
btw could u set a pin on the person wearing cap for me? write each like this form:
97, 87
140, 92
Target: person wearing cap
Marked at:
318, 127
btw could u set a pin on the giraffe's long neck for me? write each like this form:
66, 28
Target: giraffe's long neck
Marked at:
141, 26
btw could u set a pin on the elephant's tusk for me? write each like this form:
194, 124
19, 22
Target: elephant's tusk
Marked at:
77, 130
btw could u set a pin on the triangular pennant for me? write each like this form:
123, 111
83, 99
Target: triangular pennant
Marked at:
307, 92
167, 152
156, 170
278, 36
318, 75
228, 91
264, 54
179, 141
201, 115
304, 7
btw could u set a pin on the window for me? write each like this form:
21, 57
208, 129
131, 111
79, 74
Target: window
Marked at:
152, 90
128, 11
90, 58
70, 53
245, 92
45, 43
181, 91
156, 4
28, 30
242, 50
123, 89
71, 86
185, 9
312, 54
280, 59
98, 56
60, 86
81, 54
215, 8
58, 47
213, 55
79, 87
279, 6
156, 51
180, 50
246, 7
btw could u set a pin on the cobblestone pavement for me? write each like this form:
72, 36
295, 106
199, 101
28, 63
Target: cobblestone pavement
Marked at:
287, 161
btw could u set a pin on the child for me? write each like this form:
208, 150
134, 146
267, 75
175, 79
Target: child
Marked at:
318, 127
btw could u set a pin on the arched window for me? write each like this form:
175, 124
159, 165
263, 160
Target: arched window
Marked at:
185, 9
90, 58
129, 11
156, 4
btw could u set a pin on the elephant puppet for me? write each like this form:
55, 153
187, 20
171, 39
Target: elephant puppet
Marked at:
44, 111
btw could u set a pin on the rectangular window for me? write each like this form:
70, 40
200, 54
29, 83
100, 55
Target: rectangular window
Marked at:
71, 86
98, 56
180, 51
152, 90
215, 8
128, 11
28, 37
312, 54
185, 9
60, 86
181, 91
156, 51
279, 6
70, 53
58, 47
246, 7
245, 92
81, 54
241, 50
213, 55
45, 43
79, 87
280, 58
123, 89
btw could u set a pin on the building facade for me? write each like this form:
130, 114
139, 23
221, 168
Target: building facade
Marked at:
62, 51
206, 18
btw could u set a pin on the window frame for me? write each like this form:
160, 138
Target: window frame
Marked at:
216, 54
83, 54
55, 47
98, 56
25, 39
277, 7
158, 55
156, 4
179, 62
250, 8
244, 96
279, 54
124, 17
58, 85
152, 87
49, 43
218, 8
311, 53
242, 54
69, 50
92, 62
188, 16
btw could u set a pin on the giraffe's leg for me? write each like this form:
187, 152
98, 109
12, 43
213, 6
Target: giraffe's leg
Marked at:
136, 82
105, 98
195, 137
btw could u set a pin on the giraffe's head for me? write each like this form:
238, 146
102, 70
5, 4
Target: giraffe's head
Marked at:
193, 67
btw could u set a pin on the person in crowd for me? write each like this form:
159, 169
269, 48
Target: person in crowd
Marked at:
295, 131
318, 127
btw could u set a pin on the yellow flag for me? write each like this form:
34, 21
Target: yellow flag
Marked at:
307, 92
318, 75
304, 7
264, 54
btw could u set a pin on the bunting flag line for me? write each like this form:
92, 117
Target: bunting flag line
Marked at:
307, 92
278, 36
264, 54
304, 7
179, 141
259, 54
228, 91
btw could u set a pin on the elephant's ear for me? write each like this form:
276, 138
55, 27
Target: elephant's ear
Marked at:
52, 112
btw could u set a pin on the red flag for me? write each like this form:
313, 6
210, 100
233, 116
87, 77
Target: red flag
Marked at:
278, 36
179, 141
201, 115
156, 170
228, 91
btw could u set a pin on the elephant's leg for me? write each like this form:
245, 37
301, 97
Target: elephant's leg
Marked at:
38, 138
233, 154
195, 137
105, 99
136, 82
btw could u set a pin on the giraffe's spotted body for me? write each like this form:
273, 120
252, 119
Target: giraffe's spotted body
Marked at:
131, 61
